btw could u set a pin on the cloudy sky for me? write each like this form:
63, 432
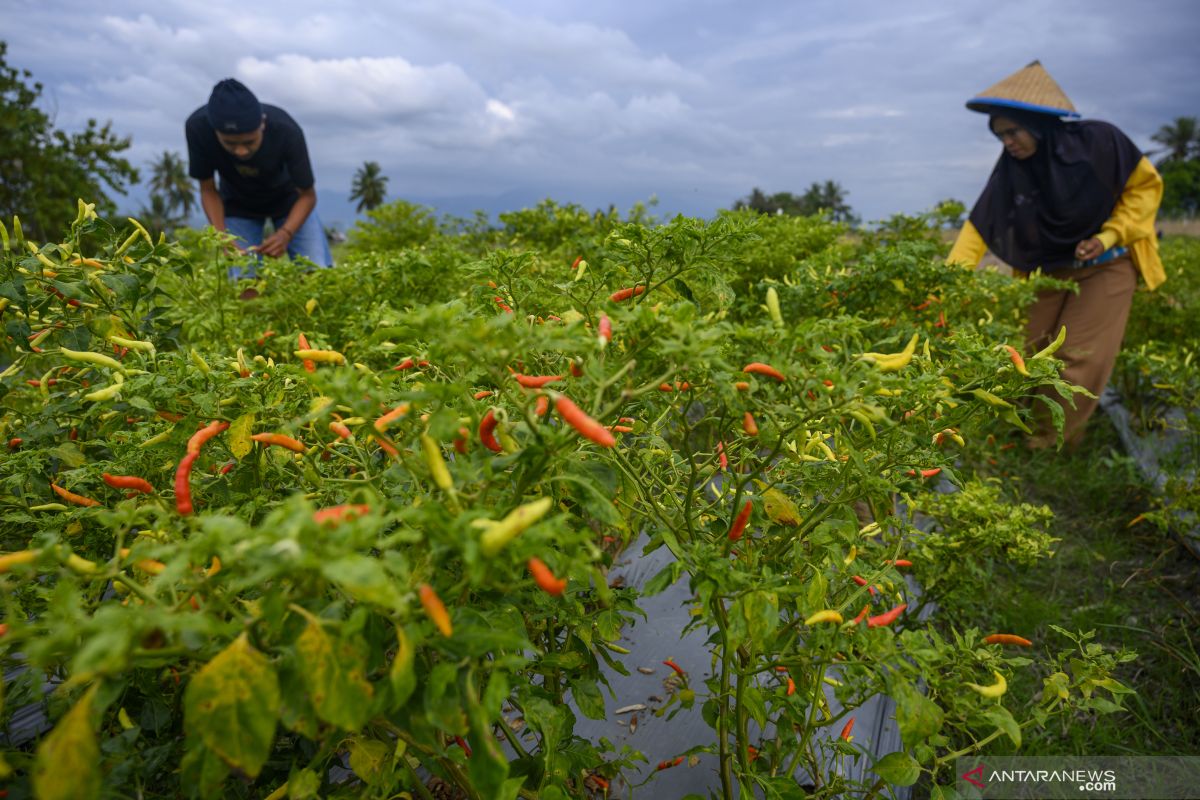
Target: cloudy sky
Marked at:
487, 104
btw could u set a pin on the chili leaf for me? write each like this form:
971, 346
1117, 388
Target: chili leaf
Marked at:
67, 765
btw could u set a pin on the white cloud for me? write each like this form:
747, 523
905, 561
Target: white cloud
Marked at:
861, 112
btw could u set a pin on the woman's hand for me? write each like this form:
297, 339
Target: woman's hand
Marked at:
1089, 249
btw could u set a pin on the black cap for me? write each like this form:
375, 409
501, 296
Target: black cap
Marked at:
232, 108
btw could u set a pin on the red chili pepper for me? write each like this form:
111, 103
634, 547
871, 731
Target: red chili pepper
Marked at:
340, 429
224, 470
587, 427
575, 263
605, 330
169, 416
483, 394
279, 440
791, 687
758, 368
204, 434
407, 363
887, 617
862, 614
71, 497
749, 425
461, 742
678, 669
739, 523
73, 434
1007, 638
620, 429
545, 579
340, 514
183, 486
845, 735
267, 335
722, 459
668, 764
503, 306
666, 387
625, 294
576, 369
3, 629
941, 323
901, 562
128, 482
15, 442
487, 432
536, 381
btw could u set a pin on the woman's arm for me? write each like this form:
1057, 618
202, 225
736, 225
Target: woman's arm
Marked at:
969, 248
1133, 216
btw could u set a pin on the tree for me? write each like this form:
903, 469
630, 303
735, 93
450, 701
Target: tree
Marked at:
1181, 188
369, 187
160, 215
828, 198
169, 178
1180, 140
44, 171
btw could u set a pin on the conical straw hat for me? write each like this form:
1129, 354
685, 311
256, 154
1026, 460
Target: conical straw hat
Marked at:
1028, 89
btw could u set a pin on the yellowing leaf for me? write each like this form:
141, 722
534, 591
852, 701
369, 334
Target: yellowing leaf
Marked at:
232, 704
335, 676
240, 443
68, 759
780, 508
367, 759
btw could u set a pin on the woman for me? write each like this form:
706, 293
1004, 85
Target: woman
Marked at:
1076, 200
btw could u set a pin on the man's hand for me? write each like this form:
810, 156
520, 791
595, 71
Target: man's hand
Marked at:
1089, 249
277, 243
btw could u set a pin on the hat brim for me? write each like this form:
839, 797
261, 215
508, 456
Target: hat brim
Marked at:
987, 105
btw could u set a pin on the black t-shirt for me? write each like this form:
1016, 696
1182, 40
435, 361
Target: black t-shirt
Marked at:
264, 185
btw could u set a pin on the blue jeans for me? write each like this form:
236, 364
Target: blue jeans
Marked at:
309, 242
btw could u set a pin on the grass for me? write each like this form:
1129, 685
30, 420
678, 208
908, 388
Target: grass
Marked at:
1137, 587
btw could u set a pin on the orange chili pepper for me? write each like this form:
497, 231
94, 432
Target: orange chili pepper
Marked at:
845, 735
887, 617
535, 381
545, 579
435, 609
204, 434
749, 425
587, 427
183, 487
309, 364
758, 368
279, 440
739, 523
71, 497
128, 482
678, 669
340, 514
625, 294
1007, 638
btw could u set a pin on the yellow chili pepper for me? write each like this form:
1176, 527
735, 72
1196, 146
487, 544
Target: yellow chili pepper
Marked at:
993, 690
826, 615
501, 533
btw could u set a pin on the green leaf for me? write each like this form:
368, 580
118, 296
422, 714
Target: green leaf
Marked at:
1003, 719
898, 769
917, 716
403, 675
364, 578
67, 765
232, 703
334, 673
70, 455
588, 698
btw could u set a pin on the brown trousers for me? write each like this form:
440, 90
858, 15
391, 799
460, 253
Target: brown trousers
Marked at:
1095, 320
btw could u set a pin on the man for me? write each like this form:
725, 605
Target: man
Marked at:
259, 152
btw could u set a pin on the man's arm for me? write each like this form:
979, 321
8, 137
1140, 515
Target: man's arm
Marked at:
277, 243
211, 202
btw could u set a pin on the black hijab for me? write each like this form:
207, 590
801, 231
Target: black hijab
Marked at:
1033, 213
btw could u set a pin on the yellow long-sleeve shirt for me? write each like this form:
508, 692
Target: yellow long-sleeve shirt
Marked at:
1131, 225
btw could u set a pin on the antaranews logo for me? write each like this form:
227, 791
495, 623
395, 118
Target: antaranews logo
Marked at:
978, 775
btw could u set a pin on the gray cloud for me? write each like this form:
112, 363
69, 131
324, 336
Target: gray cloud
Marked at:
695, 102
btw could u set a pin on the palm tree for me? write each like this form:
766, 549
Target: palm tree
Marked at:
169, 180
160, 216
369, 187
1180, 140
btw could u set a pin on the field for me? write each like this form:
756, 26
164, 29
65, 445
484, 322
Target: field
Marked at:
352, 538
